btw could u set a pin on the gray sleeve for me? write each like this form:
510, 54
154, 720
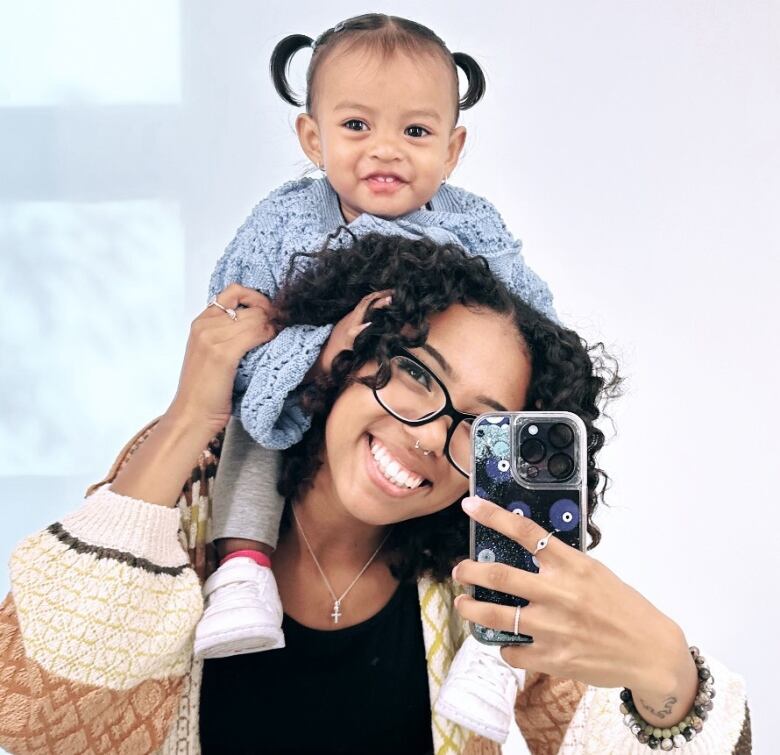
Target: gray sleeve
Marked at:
245, 501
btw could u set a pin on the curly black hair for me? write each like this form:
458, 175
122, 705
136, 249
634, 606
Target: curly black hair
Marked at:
427, 278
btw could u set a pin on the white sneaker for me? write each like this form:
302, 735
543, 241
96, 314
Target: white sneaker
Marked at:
243, 611
480, 690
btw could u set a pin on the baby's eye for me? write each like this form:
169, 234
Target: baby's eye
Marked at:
355, 124
416, 131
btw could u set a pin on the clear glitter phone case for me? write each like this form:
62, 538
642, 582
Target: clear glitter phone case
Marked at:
533, 464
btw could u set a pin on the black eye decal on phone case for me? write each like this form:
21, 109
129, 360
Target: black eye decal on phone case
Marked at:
565, 515
492, 447
498, 470
519, 507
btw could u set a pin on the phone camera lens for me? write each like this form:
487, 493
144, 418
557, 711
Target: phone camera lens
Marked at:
532, 451
560, 435
560, 466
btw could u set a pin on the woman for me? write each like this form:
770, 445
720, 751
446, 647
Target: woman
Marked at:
96, 636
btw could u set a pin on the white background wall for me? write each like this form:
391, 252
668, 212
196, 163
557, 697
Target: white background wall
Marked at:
633, 146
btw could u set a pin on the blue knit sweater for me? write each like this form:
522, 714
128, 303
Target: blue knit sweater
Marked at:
297, 217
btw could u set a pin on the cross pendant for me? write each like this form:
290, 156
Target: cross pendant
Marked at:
336, 612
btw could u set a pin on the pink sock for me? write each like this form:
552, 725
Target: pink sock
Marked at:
257, 556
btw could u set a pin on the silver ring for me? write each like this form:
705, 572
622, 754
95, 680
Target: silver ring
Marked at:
231, 313
424, 450
516, 629
542, 544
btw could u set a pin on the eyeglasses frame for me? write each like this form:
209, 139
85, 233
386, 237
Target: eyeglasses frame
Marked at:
448, 410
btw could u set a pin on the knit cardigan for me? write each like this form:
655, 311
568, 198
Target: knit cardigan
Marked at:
96, 640
298, 217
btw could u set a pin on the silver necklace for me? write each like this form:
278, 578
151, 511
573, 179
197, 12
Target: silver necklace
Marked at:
336, 615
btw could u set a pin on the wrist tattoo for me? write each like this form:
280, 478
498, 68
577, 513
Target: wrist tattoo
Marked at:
665, 711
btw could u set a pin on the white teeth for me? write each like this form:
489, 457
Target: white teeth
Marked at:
384, 179
392, 469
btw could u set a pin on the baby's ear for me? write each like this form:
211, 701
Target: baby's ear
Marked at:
309, 138
455, 148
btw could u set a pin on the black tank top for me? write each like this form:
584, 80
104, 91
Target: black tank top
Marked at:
363, 689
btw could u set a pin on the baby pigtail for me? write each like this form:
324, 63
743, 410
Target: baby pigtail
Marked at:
475, 78
280, 65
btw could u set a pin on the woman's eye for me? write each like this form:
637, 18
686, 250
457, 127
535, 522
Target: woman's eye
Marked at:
416, 131
355, 125
415, 373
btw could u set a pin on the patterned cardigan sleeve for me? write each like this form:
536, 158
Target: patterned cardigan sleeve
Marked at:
564, 717
96, 633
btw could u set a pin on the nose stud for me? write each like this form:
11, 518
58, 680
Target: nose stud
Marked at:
425, 451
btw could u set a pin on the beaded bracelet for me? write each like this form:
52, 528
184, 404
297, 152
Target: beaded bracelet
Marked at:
675, 736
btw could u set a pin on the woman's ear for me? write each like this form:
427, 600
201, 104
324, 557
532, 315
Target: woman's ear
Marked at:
309, 138
454, 149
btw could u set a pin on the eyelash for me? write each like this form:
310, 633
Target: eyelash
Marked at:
363, 123
415, 372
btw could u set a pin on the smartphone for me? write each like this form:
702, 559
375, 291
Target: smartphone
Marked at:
533, 464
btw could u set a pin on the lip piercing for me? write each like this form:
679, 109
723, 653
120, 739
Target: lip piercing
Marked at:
425, 451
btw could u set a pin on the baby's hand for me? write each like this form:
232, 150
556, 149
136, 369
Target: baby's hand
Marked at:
346, 330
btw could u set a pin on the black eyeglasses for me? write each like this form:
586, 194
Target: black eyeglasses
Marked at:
415, 395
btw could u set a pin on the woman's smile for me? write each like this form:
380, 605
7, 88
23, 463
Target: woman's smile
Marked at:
387, 472
392, 468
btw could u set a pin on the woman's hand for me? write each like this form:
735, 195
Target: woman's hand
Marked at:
586, 623
345, 331
157, 471
215, 347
